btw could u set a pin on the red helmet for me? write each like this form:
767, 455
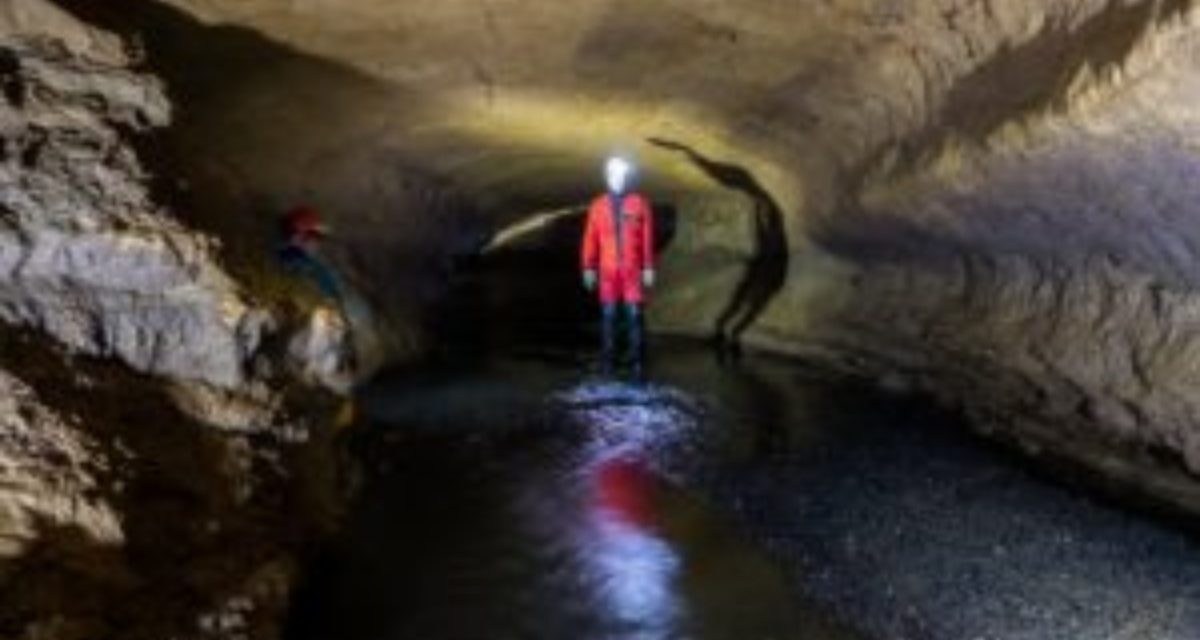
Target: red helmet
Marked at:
304, 223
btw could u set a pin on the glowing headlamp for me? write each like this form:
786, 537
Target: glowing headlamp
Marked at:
618, 172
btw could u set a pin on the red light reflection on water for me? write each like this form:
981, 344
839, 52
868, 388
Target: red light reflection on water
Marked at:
637, 569
623, 491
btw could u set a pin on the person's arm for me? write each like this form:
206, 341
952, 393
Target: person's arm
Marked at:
589, 249
648, 274
648, 236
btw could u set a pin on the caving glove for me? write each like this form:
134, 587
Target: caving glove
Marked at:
589, 279
648, 278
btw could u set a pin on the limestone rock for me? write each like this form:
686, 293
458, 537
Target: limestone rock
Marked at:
133, 369
49, 471
85, 255
321, 351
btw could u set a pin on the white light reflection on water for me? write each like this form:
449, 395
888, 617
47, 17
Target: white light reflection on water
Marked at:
633, 567
648, 418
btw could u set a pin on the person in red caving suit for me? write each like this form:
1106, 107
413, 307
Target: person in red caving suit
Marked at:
617, 259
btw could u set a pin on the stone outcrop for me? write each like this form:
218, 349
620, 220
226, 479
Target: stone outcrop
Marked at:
84, 255
121, 516
165, 429
49, 473
87, 254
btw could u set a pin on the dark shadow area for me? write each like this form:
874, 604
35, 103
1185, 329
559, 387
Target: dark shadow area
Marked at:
876, 239
65, 572
767, 267
10, 85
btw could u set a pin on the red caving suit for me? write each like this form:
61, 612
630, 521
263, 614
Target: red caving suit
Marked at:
619, 249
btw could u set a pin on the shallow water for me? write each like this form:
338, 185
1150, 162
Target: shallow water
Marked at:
518, 497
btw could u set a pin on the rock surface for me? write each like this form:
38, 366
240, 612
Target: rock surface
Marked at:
1010, 228
48, 468
121, 516
165, 429
84, 255
87, 255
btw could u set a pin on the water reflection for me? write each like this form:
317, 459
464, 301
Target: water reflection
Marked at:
622, 547
564, 524
636, 568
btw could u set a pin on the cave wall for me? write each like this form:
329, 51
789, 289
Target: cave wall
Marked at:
261, 127
1015, 233
1060, 266
987, 201
165, 425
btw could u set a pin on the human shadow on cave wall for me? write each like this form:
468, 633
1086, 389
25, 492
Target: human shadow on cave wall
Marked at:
767, 267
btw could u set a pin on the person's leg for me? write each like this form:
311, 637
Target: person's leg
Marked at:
633, 315
610, 295
608, 334
632, 296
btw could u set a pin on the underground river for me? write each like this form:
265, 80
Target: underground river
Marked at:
510, 492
